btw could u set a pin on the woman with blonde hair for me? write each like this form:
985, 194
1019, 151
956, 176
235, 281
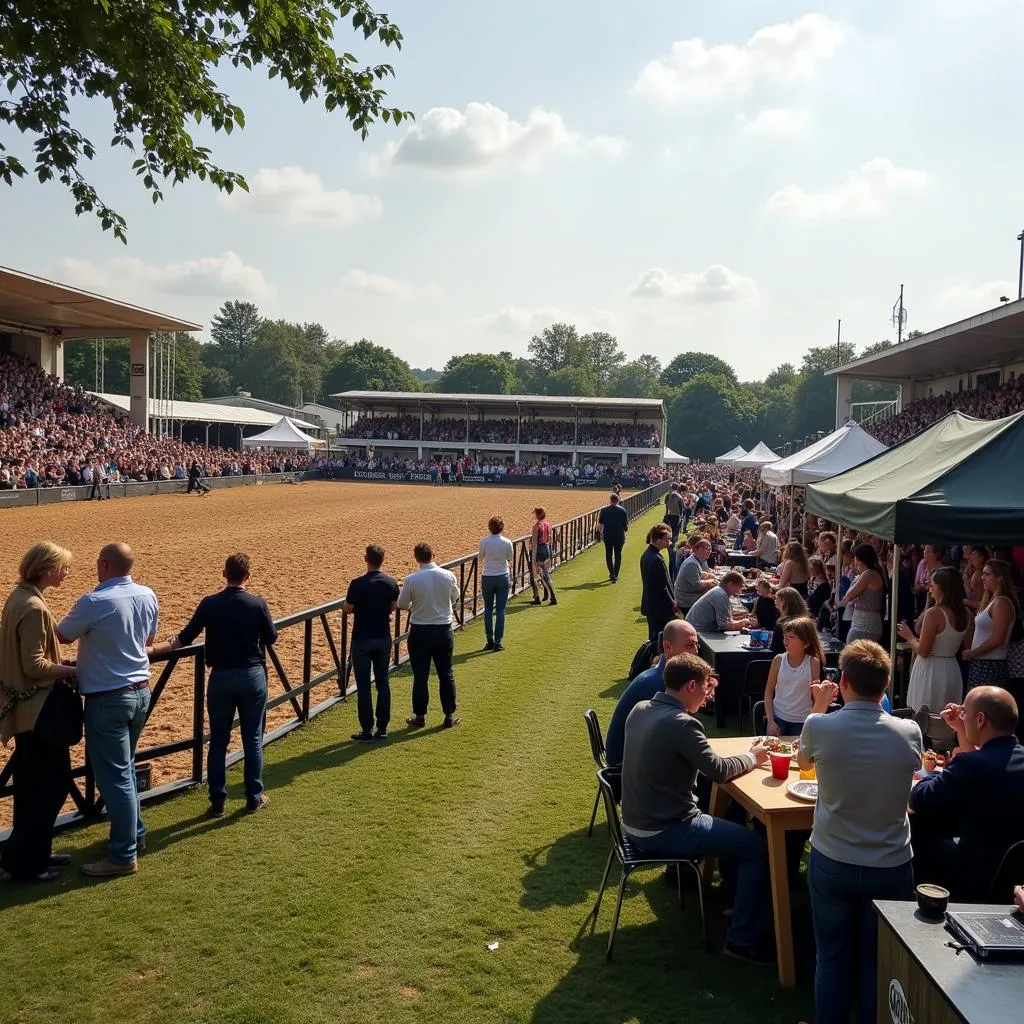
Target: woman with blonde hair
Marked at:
795, 571
988, 638
30, 668
790, 605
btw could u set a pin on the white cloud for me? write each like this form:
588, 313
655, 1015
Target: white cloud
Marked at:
217, 276
378, 284
300, 197
864, 192
788, 52
716, 284
483, 138
776, 121
517, 320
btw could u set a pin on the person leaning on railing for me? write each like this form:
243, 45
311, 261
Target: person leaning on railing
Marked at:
30, 668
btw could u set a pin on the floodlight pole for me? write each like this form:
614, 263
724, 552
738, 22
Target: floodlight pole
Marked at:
1020, 272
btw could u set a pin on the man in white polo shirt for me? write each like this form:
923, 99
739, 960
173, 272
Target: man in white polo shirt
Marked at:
429, 594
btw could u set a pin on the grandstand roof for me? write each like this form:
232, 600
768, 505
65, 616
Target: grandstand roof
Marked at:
367, 399
203, 412
988, 339
38, 306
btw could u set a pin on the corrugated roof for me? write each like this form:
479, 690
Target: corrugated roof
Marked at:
436, 398
203, 412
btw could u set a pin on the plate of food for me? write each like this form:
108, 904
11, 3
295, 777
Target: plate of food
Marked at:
804, 789
776, 745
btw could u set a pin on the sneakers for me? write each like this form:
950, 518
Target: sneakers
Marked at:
553, 601
416, 722
758, 956
536, 600
107, 868
498, 646
259, 805
215, 811
363, 737
450, 721
489, 646
380, 734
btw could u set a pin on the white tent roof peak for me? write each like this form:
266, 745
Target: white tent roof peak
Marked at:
674, 457
759, 455
283, 434
734, 453
829, 456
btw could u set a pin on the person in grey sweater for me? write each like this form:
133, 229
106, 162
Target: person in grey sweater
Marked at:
665, 749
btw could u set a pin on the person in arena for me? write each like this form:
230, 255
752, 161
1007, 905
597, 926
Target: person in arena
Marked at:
195, 480
429, 595
238, 629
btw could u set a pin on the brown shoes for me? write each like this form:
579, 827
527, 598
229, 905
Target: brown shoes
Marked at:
107, 868
259, 805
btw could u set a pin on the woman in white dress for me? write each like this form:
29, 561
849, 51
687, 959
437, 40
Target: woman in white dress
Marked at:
935, 677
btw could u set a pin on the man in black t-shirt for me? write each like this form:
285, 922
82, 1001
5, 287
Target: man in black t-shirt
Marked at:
372, 598
613, 524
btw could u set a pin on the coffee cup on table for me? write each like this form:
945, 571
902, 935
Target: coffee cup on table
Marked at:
932, 900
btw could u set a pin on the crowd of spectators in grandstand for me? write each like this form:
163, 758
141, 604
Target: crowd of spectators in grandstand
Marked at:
506, 431
984, 403
54, 435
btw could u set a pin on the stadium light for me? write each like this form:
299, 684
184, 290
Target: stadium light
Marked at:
1020, 272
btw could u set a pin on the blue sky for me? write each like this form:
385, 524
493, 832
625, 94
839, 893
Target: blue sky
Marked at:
731, 177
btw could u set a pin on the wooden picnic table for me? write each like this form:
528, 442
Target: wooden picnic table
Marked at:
766, 799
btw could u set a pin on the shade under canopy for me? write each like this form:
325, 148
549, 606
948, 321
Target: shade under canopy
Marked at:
759, 455
283, 435
829, 456
957, 481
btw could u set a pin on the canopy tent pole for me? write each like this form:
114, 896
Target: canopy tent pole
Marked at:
803, 531
893, 610
790, 534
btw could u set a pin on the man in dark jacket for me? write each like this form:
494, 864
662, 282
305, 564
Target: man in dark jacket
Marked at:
612, 526
658, 603
966, 817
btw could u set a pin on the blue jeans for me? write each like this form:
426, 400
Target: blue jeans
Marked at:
495, 590
246, 690
113, 725
715, 837
846, 932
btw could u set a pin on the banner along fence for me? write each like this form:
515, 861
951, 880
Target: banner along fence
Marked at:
308, 692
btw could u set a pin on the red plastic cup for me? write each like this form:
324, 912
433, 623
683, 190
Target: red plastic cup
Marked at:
780, 765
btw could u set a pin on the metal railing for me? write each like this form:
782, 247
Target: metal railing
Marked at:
568, 540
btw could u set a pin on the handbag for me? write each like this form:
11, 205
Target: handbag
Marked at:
61, 718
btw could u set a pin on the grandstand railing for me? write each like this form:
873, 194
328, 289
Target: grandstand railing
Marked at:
568, 540
866, 413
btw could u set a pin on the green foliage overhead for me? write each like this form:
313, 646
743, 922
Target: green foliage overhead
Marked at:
154, 65
365, 366
687, 365
477, 374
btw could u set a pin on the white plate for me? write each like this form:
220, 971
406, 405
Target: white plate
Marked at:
804, 789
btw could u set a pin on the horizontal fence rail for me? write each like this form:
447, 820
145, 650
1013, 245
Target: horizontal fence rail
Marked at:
568, 540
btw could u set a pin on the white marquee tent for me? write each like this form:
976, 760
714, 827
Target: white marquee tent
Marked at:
759, 455
735, 453
841, 450
283, 435
671, 458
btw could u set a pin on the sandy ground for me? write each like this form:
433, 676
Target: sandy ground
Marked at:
306, 541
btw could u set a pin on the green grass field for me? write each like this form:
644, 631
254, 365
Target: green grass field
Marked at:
370, 887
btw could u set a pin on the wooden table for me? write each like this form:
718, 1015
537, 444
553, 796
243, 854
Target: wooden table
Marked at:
916, 969
766, 799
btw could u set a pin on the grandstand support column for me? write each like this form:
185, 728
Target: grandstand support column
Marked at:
138, 380
844, 396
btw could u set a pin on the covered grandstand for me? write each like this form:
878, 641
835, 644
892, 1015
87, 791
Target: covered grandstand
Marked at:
511, 428
974, 365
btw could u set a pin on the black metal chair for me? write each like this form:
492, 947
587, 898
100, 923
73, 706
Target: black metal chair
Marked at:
631, 859
903, 713
600, 758
1009, 873
755, 679
758, 719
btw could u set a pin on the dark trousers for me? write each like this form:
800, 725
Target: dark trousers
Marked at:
42, 781
196, 484
432, 644
372, 655
95, 491
613, 557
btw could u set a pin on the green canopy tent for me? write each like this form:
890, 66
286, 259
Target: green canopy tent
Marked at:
958, 480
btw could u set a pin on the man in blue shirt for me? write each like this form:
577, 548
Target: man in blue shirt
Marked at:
967, 816
113, 625
679, 637
749, 522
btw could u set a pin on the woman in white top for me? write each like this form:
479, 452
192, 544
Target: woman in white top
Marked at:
989, 636
787, 695
495, 581
935, 677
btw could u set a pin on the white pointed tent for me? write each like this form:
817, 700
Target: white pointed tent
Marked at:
734, 453
758, 456
841, 450
283, 435
671, 458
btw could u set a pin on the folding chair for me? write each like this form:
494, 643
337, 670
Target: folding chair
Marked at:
630, 859
600, 759
755, 679
758, 719
934, 730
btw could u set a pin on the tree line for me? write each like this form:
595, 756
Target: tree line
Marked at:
709, 408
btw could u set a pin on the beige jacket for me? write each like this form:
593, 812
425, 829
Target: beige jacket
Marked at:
29, 659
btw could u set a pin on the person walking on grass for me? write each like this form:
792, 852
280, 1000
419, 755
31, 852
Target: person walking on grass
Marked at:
540, 553
612, 527
238, 629
113, 625
372, 598
429, 595
496, 552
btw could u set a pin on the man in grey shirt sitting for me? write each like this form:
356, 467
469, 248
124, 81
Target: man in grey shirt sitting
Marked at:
665, 749
860, 847
694, 579
713, 612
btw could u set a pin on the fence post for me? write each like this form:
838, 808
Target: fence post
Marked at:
198, 714
307, 665
343, 674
